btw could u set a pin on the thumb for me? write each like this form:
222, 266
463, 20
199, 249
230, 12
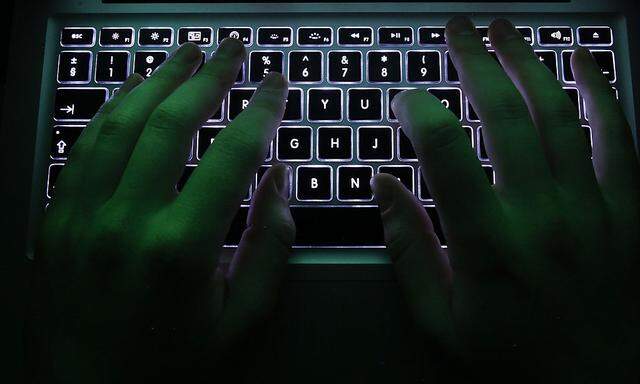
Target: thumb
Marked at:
422, 268
258, 266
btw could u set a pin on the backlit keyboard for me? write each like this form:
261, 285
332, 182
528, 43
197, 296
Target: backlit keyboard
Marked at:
338, 128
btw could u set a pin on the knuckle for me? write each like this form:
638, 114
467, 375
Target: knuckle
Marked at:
221, 74
442, 133
251, 145
165, 118
117, 122
507, 104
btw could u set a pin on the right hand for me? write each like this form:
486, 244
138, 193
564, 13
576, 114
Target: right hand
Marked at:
540, 277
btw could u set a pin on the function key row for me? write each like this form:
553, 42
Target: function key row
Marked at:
319, 36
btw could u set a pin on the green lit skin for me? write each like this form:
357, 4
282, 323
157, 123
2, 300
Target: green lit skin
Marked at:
539, 283
538, 279
127, 287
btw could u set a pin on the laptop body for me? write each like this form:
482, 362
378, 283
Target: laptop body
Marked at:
349, 283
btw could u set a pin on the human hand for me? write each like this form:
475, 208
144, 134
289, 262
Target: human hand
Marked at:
540, 277
127, 286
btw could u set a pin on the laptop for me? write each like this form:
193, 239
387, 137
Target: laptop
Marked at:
345, 62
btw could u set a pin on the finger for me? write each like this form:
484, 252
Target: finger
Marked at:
119, 132
71, 177
450, 167
160, 153
260, 261
220, 181
511, 139
614, 157
553, 112
421, 267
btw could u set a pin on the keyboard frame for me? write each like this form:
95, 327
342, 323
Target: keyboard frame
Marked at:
347, 255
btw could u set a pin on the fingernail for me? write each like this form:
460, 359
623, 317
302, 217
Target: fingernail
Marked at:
283, 180
400, 99
274, 80
382, 192
187, 54
503, 30
132, 81
230, 46
461, 25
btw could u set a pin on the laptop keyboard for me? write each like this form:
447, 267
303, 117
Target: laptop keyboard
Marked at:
338, 129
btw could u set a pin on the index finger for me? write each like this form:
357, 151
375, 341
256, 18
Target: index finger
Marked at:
215, 189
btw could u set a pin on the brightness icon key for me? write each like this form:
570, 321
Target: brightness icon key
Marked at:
116, 37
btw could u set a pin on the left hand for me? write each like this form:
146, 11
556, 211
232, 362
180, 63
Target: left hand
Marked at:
128, 286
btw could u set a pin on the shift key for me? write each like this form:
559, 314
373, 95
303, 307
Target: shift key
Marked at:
78, 104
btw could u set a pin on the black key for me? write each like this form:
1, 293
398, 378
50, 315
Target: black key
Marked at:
345, 66
423, 66
488, 170
324, 104
423, 190
484, 35
217, 116
201, 36
431, 36
74, 67
243, 34
78, 104
375, 143
607, 64
391, 94
354, 183
112, 67
548, 58
574, 95
527, 34
52, 177
186, 174
294, 143
355, 36
587, 134
567, 73
77, 37
471, 113
452, 72
384, 66
305, 66
63, 138
145, 62
314, 183
404, 173
239, 100
273, 36
469, 131
595, 36
555, 36
316, 36
155, 37
334, 143
260, 173
482, 149
451, 98
263, 62
604, 59
395, 35
293, 106
365, 104
116, 37
405, 148
240, 76
206, 136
